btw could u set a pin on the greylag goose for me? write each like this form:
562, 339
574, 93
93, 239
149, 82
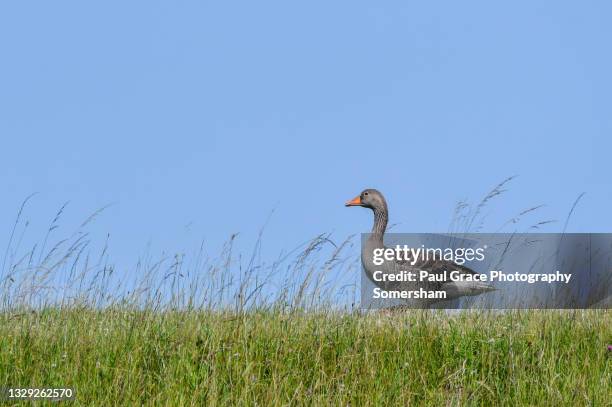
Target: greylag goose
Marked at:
374, 200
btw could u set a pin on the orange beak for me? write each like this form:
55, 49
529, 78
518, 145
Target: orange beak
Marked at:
354, 202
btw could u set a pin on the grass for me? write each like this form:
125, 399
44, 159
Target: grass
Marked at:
235, 330
122, 357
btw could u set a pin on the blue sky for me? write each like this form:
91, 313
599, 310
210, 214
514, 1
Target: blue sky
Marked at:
197, 119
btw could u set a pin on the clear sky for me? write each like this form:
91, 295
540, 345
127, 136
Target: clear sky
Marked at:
197, 119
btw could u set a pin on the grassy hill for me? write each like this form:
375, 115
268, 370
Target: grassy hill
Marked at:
117, 356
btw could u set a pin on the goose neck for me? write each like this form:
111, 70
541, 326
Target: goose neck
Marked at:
380, 224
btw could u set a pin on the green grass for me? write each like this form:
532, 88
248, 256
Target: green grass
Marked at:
119, 357
109, 332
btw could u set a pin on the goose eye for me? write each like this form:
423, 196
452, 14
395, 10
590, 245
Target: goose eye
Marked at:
365, 193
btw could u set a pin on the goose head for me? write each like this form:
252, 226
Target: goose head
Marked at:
369, 198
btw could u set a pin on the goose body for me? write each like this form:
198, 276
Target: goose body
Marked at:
374, 200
